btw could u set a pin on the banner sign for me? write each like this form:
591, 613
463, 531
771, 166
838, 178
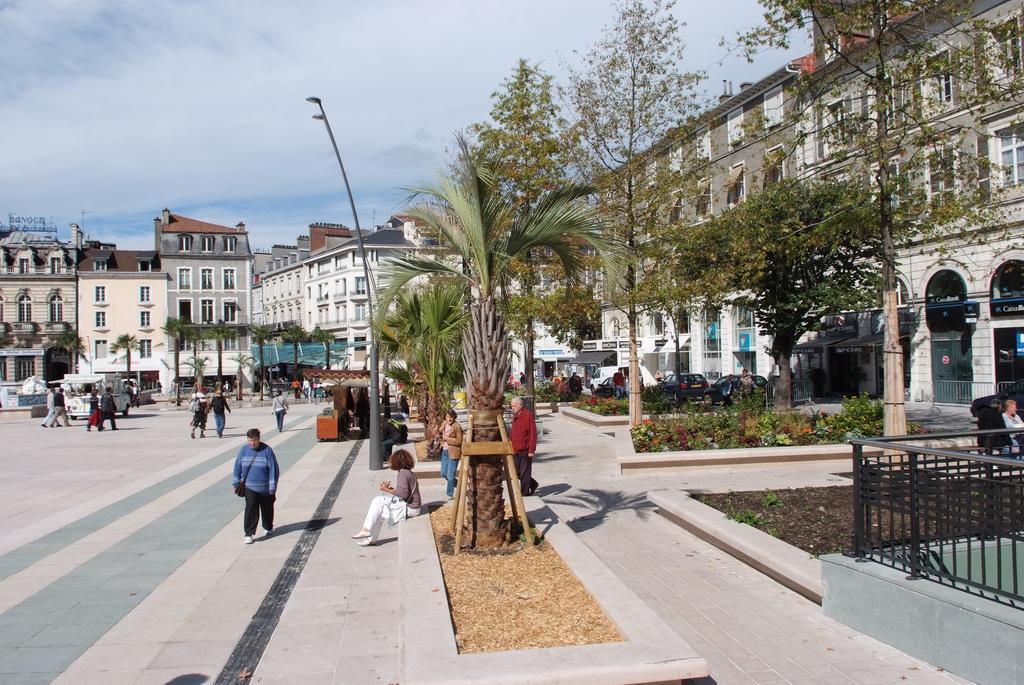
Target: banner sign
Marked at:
1007, 306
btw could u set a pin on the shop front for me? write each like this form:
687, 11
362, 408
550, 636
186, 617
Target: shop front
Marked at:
1006, 310
949, 317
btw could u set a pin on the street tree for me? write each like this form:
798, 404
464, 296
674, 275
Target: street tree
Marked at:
325, 338
127, 343
900, 96
177, 329
295, 335
628, 98
260, 335
220, 334
485, 233
70, 342
245, 361
524, 141
198, 366
790, 253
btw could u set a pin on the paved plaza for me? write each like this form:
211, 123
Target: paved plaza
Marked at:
121, 561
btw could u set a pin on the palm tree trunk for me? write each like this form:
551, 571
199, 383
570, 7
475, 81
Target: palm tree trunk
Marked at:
327, 356
177, 370
432, 426
295, 360
485, 352
263, 370
220, 363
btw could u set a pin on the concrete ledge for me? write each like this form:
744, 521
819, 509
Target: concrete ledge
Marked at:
749, 455
971, 636
591, 419
652, 652
426, 470
788, 565
23, 413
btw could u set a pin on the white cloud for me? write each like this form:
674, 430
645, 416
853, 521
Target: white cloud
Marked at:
122, 108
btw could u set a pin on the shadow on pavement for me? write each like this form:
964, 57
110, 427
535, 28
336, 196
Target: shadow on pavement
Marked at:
601, 503
300, 526
188, 679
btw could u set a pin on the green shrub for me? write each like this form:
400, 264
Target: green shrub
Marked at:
605, 406
655, 401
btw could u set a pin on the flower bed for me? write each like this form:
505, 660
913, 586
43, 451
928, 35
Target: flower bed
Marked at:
604, 406
749, 425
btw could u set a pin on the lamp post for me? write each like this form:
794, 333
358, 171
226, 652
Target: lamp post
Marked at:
375, 452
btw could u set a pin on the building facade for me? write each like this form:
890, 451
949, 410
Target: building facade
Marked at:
209, 270
123, 292
38, 302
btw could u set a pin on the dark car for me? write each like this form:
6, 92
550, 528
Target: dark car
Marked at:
718, 393
1011, 392
690, 386
604, 388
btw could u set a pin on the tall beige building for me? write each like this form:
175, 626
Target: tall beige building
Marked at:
123, 292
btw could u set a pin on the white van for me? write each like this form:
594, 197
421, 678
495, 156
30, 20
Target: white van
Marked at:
603, 372
76, 387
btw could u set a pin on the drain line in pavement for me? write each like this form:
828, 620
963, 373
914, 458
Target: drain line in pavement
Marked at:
249, 649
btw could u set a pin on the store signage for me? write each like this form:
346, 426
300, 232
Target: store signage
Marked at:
1020, 344
945, 360
851, 349
744, 340
943, 300
608, 345
1007, 306
551, 353
972, 310
30, 223
590, 345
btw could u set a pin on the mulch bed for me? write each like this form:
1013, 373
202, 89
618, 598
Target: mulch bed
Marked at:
522, 598
817, 520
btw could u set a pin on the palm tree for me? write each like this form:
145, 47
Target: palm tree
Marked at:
67, 341
260, 335
6, 339
295, 335
486, 234
177, 329
425, 329
196, 334
198, 366
245, 361
126, 343
219, 334
325, 338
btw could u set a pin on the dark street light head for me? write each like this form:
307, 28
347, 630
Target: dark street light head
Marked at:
318, 117
315, 101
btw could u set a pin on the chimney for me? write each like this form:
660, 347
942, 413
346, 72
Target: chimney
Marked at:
240, 226
745, 85
167, 217
725, 91
76, 236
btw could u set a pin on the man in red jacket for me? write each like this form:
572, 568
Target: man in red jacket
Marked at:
524, 443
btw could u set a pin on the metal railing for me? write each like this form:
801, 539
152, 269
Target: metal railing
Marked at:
954, 516
964, 392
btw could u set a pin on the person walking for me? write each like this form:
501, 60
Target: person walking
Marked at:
219, 405
280, 406
524, 444
60, 404
397, 502
107, 409
451, 437
619, 385
51, 411
199, 404
363, 413
255, 476
94, 411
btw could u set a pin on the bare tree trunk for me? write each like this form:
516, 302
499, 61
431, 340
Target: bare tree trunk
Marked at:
784, 384
528, 361
485, 352
635, 403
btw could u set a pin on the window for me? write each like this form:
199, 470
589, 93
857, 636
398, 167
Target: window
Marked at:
23, 266
773, 107
230, 243
230, 312
734, 126
208, 243
145, 319
1008, 57
712, 344
230, 344
185, 310
99, 265
56, 308
145, 265
101, 319
677, 210
774, 167
206, 311
736, 189
941, 175
185, 243
1011, 156
1009, 280
360, 312
24, 309
703, 204
1, 317
206, 279
340, 287
745, 343
145, 347
99, 293
705, 145
143, 293
945, 89
24, 367
360, 285
229, 279
54, 265
184, 278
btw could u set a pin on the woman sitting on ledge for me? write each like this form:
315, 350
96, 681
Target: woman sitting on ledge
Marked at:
396, 504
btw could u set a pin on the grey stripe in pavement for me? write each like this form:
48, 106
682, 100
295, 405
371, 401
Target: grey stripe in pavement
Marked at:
249, 649
46, 633
22, 557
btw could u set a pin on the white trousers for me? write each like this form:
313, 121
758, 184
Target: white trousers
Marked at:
386, 508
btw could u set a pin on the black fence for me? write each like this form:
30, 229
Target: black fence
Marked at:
950, 515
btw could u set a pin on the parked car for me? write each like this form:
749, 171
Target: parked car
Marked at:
1012, 392
607, 372
690, 386
717, 393
604, 388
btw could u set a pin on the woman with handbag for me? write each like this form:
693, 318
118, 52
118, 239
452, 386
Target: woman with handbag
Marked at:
451, 452
280, 406
397, 503
255, 478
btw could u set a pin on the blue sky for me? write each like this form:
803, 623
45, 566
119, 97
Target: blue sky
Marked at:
120, 107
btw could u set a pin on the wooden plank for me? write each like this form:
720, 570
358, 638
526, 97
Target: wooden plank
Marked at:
486, 449
460, 502
518, 495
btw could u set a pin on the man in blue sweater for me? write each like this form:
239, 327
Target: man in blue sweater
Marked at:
256, 469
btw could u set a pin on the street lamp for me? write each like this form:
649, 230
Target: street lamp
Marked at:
375, 450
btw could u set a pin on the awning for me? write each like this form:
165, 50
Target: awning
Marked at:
857, 345
593, 357
819, 344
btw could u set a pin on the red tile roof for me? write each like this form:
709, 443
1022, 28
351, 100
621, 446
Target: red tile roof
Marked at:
184, 224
